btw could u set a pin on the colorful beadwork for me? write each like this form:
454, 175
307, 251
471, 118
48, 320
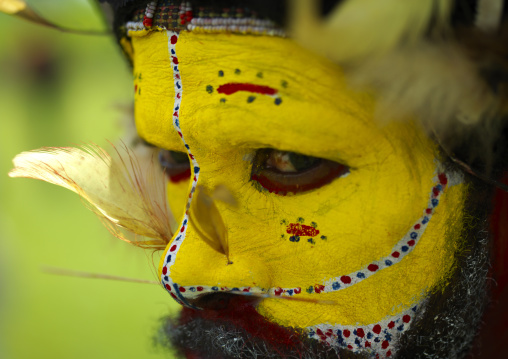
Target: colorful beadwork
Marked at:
166, 14
149, 12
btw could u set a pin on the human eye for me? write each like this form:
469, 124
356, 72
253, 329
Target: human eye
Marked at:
175, 164
283, 172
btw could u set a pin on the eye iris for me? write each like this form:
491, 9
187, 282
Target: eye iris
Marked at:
285, 162
175, 164
280, 161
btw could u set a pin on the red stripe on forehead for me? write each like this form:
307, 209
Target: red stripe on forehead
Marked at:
231, 88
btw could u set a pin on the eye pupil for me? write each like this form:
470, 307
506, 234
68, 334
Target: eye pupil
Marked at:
302, 162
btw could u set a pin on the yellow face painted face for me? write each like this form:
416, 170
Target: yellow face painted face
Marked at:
364, 238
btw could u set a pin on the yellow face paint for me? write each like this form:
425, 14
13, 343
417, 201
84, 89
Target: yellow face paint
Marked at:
375, 241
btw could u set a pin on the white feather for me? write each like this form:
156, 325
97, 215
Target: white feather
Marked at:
117, 188
435, 82
359, 28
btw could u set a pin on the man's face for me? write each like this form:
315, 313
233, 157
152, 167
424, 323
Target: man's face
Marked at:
355, 223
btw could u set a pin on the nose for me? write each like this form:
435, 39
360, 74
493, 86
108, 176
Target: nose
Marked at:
207, 259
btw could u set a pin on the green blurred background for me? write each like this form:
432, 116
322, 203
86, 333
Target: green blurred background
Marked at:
61, 89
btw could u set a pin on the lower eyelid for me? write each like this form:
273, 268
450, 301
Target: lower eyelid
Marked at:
181, 176
176, 172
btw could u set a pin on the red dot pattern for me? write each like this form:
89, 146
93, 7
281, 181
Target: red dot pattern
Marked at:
377, 340
345, 279
373, 267
400, 250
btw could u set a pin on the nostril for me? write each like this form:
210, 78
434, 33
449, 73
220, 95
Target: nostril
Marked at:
222, 301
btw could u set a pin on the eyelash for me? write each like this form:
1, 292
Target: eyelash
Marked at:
283, 172
175, 164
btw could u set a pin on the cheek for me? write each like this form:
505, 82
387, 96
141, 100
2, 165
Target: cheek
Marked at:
388, 292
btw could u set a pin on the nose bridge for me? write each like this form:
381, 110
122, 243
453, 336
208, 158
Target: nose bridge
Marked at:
201, 264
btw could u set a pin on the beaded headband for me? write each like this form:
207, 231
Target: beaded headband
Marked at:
181, 15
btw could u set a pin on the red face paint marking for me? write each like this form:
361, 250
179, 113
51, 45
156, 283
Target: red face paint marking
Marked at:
376, 329
442, 179
319, 288
180, 177
297, 229
345, 279
231, 88
373, 267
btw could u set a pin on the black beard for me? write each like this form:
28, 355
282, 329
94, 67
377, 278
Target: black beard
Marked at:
445, 329
221, 340
453, 318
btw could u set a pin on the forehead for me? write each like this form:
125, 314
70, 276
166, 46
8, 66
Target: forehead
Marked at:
254, 91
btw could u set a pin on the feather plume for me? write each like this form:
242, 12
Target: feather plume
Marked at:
435, 82
207, 220
425, 60
23, 10
123, 194
359, 28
